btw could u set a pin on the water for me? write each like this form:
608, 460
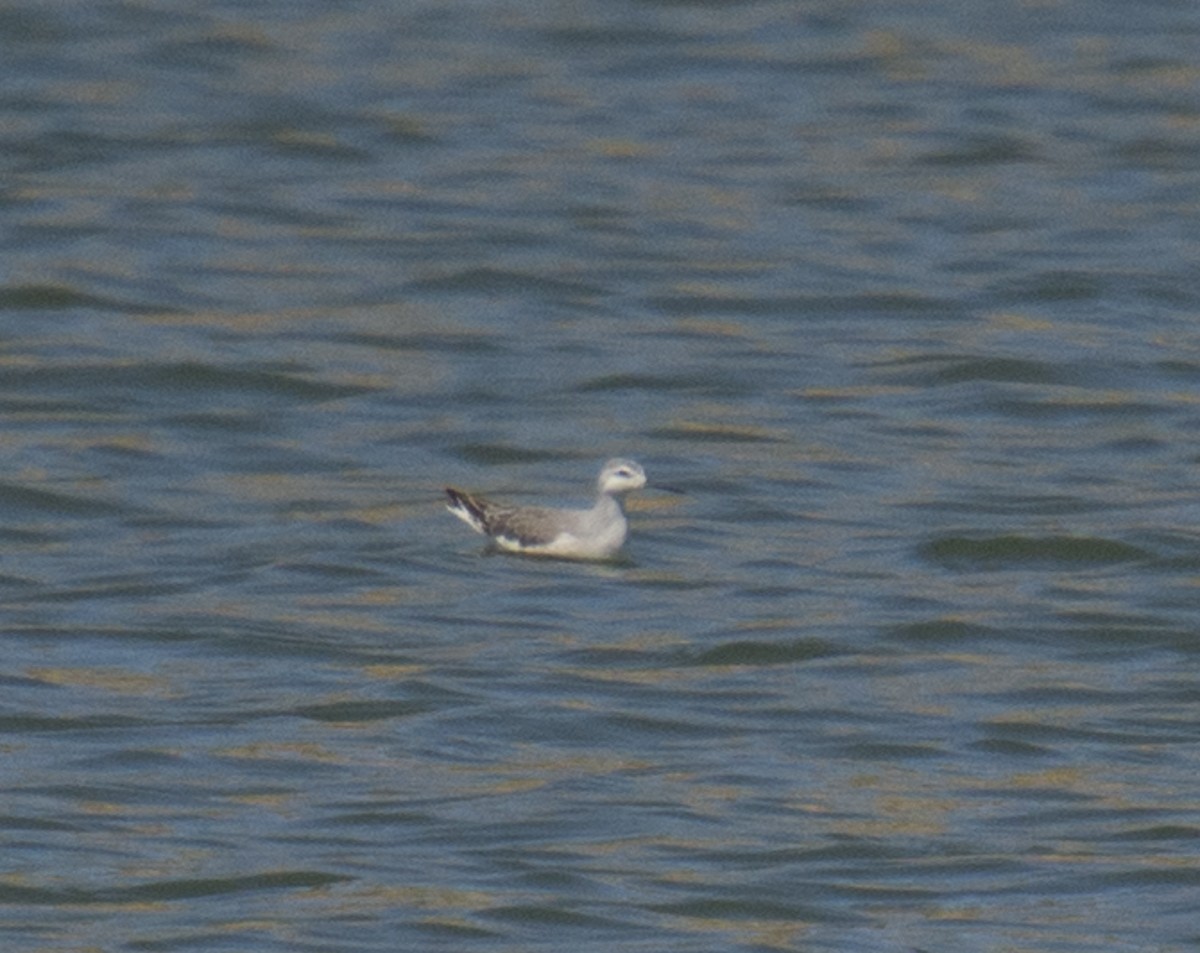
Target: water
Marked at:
903, 295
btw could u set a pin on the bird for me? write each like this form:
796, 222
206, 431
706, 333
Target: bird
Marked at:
593, 534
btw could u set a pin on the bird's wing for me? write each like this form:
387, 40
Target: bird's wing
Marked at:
527, 526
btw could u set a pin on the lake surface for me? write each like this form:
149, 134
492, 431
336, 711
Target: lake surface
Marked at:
903, 295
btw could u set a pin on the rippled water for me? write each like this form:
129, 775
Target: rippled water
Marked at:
903, 295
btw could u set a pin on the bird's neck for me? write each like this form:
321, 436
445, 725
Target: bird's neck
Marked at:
606, 501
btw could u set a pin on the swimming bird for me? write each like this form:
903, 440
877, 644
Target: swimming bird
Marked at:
541, 531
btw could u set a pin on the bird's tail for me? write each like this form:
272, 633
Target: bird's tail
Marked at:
467, 509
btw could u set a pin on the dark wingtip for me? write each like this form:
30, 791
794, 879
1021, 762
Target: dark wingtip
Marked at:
460, 499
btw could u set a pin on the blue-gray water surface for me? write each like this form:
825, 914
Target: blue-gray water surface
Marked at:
903, 295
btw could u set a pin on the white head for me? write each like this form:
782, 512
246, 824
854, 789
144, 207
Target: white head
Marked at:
619, 476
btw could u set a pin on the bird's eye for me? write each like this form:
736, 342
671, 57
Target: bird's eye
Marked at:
623, 472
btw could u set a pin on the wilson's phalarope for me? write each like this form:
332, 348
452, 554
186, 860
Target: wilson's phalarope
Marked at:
540, 531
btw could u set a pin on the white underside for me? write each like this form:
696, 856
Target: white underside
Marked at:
565, 546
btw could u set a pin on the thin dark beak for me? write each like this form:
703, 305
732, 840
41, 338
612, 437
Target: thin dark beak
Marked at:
666, 489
